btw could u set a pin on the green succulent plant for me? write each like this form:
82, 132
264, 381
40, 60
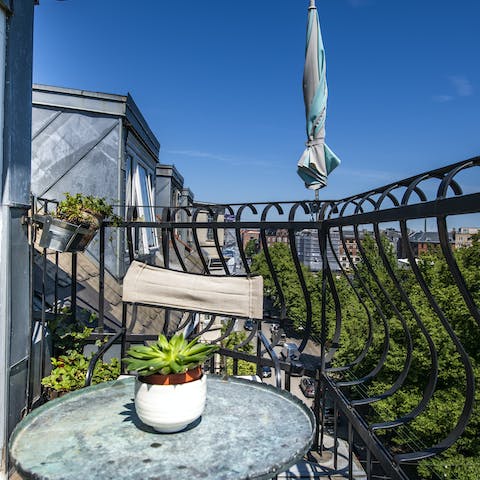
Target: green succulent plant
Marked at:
168, 356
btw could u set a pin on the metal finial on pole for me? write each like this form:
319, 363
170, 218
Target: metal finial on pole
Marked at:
317, 204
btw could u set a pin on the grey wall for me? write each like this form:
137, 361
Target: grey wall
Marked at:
80, 143
168, 185
78, 152
74, 152
16, 43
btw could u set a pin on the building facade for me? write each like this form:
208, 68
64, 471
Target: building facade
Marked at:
463, 236
421, 242
279, 235
96, 144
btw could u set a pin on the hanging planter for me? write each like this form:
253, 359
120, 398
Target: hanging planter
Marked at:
63, 236
171, 388
74, 223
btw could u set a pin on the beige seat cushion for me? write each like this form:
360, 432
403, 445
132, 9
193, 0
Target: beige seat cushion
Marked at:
223, 295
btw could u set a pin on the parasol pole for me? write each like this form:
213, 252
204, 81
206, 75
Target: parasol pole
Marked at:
313, 5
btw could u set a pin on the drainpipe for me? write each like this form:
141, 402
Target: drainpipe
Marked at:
16, 50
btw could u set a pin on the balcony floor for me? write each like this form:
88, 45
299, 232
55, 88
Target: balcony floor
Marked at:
317, 467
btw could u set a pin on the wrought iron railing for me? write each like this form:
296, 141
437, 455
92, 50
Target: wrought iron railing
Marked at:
386, 319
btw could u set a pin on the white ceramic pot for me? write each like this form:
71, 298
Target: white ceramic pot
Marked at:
170, 408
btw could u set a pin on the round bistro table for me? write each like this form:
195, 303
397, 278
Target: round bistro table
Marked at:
248, 430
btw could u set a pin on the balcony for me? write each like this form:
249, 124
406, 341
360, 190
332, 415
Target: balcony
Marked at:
386, 321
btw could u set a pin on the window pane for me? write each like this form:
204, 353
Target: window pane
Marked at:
146, 203
210, 218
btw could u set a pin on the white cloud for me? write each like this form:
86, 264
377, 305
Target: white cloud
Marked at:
442, 98
461, 88
358, 3
228, 159
198, 154
462, 85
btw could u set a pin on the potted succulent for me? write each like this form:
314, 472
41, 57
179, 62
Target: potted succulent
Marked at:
170, 387
74, 223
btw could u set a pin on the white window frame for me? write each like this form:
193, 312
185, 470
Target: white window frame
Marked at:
148, 240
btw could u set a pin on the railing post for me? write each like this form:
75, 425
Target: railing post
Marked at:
319, 406
259, 349
350, 451
31, 250
123, 347
166, 261
44, 307
319, 420
323, 330
101, 280
235, 366
73, 293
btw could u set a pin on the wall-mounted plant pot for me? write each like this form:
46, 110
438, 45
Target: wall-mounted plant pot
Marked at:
63, 236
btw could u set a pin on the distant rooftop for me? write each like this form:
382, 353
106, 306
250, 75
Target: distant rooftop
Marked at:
426, 237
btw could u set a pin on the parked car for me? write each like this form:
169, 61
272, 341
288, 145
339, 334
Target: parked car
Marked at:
291, 354
290, 351
307, 386
266, 371
274, 328
277, 335
248, 325
296, 368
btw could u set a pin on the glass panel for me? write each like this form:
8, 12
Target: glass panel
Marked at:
129, 183
145, 202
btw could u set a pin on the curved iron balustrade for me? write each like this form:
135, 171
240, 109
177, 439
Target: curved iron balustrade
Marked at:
351, 226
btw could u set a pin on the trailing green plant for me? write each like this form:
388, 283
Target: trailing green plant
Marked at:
168, 356
230, 343
68, 333
70, 370
70, 365
85, 210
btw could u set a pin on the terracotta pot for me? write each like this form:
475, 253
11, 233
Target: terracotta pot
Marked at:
173, 378
170, 407
51, 394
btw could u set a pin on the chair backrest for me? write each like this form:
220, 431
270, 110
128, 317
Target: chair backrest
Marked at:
234, 296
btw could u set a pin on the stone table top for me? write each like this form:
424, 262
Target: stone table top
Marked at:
248, 430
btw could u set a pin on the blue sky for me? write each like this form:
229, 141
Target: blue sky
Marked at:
220, 84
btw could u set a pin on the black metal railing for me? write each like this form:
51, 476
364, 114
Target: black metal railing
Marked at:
379, 292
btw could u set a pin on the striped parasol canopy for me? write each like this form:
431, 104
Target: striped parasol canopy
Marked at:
317, 160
